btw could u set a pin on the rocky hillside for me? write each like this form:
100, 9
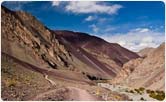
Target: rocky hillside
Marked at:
98, 46
29, 40
36, 61
108, 56
26, 38
145, 51
42, 64
146, 72
31, 52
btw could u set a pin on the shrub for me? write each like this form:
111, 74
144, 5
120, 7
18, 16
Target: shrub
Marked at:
137, 90
159, 95
148, 91
92, 77
131, 91
11, 82
141, 89
126, 91
142, 99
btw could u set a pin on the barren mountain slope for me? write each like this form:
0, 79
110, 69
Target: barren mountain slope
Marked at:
146, 72
108, 56
29, 52
145, 51
36, 60
27, 39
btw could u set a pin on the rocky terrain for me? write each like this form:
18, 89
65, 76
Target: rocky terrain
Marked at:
145, 51
147, 71
99, 54
35, 58
43, 64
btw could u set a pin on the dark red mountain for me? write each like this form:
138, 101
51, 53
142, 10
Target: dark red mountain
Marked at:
99, 46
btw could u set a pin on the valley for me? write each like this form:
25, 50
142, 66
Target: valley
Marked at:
41, 64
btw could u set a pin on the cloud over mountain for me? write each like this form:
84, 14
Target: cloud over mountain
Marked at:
136, 39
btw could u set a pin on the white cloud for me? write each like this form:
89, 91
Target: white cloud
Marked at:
89, 7
90, 18
141, 30
94, 28
56, 3
136, 39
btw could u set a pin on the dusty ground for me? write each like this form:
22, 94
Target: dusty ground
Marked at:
21, 81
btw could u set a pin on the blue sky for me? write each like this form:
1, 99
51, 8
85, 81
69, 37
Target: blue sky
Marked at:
134, 25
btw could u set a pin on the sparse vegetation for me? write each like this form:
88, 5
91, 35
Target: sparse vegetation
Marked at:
142, 99
18, 83
159, 95
97, 79
140, 90
126, 90
11, 82
91, 77
131, 91
149, 91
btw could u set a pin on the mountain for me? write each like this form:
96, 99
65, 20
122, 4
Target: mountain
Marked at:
98, 46
37, 61
145, 72
108, 56
50, 50
145, 51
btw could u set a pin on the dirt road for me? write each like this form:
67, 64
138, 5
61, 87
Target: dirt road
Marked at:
67, 94
77, 94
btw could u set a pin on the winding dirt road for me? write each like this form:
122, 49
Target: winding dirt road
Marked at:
69, 94
49, 80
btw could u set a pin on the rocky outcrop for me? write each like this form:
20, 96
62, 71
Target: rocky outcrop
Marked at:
126, 70
24, 36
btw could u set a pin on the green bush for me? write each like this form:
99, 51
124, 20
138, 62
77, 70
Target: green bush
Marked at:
159, 95
141, 89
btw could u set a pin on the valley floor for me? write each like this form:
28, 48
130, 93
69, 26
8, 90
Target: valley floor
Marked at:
23, 81
128, 91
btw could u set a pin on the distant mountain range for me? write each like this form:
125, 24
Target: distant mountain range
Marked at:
30, 51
